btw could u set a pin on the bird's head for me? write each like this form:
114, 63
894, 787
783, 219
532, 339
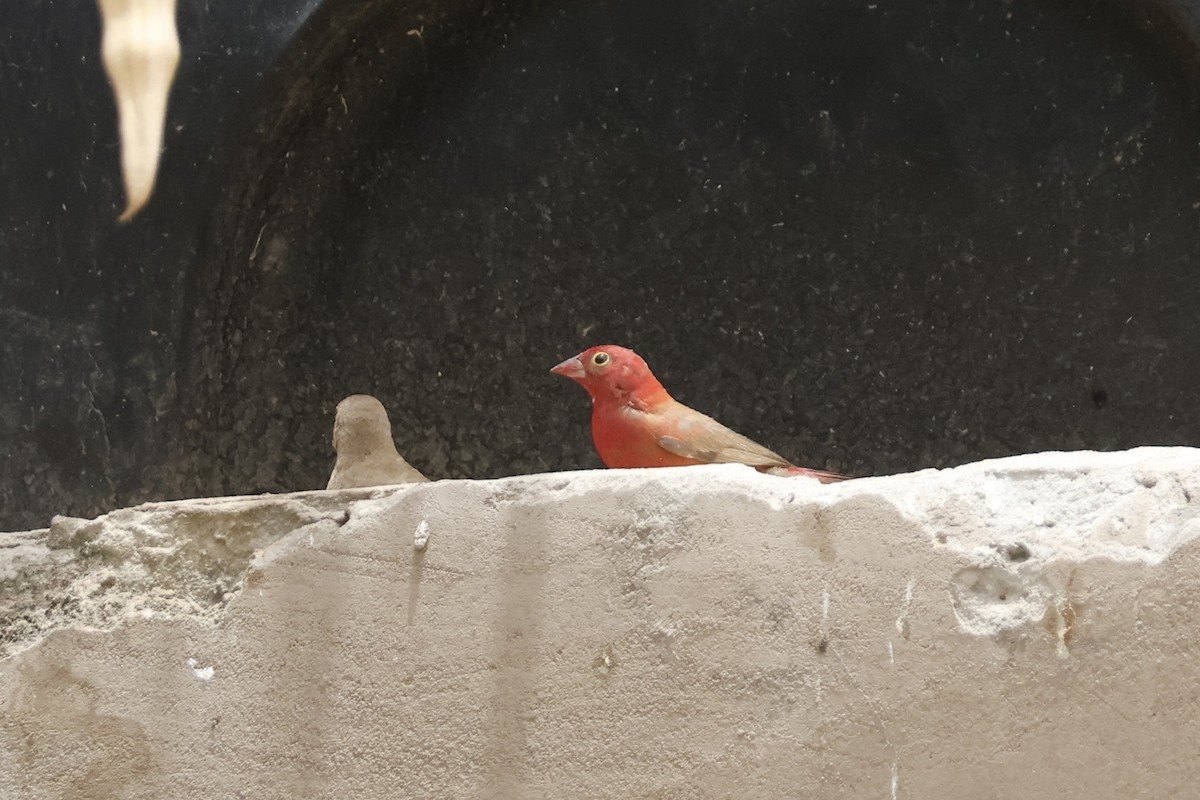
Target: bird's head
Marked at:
361, 426
610, 371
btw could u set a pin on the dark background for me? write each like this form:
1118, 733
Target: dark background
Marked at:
874, 236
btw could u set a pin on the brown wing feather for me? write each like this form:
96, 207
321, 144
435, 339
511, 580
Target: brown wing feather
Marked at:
710, 441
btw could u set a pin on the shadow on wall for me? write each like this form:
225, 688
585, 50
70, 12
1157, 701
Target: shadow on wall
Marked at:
874, 237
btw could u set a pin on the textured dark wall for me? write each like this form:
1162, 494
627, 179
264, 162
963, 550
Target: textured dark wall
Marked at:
876, 237
90, 311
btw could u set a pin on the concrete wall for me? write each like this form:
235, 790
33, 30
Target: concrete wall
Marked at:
1016, 628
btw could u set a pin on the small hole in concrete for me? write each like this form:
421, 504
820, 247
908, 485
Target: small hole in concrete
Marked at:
1014, 552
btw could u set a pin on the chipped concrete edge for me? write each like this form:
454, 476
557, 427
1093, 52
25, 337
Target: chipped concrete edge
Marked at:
1008, 521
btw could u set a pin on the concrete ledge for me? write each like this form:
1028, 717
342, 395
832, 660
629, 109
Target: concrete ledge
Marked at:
1019, 627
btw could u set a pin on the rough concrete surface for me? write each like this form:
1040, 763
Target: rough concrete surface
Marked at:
1016, 628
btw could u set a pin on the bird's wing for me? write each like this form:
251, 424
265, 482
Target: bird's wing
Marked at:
700, 437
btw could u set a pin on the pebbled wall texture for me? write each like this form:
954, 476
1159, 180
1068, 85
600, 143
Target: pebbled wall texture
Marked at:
1015, 628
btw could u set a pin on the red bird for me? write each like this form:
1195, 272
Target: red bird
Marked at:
635, 423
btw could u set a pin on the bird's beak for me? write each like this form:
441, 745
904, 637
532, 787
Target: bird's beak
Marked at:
571, 368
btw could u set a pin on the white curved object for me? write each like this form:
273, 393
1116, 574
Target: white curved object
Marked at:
141, 54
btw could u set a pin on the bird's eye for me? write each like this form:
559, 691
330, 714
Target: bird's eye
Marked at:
600, 359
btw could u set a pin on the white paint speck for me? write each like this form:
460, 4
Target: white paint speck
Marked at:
202, 673
895, 780
421, 537
825, 606
891, 653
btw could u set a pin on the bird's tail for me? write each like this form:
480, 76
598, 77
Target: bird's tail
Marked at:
821, 475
